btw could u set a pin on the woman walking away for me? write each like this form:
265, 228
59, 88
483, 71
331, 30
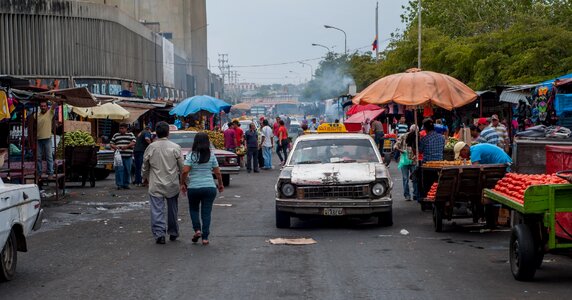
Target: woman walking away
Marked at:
198, 183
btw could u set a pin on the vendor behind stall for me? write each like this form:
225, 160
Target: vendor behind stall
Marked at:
432, 144
484, 154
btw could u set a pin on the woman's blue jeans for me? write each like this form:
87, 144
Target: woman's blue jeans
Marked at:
406, 171
200, 208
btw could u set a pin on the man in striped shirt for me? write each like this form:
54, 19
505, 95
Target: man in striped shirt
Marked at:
502, 132
402, 127
488, 134
124, 142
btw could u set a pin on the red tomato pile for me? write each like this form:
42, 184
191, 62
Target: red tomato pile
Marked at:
432, 191
513, 185
390, 136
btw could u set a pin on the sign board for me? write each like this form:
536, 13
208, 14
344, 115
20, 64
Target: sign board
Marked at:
70, 126
331, 128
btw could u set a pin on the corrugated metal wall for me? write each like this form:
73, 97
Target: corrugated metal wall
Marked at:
48, 45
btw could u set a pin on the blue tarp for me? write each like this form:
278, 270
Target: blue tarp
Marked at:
551, 81
197, 103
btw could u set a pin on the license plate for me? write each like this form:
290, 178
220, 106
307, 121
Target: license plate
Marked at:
333, 211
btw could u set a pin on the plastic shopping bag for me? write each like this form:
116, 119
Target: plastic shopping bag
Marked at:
117, 160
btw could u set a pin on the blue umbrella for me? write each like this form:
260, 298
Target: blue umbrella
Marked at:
197, 103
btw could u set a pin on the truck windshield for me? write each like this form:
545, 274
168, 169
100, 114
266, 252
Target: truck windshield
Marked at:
333, 151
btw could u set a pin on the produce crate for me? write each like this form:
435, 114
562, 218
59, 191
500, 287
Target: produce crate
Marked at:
81, 156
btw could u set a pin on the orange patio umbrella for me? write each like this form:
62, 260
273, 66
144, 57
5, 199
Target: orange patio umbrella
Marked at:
416, 87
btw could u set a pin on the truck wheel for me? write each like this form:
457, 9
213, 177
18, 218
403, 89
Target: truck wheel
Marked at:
523, 258
101, 174
385, 219
437, 218
225, 180
8, 258
282, 219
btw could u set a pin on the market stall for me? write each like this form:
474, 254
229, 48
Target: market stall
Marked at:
22, 130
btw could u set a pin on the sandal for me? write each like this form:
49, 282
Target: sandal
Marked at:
196, 237
205, 242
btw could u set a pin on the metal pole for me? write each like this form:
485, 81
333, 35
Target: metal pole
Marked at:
376, 30
419, 37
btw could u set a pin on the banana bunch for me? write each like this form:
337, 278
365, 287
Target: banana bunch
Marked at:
74, 138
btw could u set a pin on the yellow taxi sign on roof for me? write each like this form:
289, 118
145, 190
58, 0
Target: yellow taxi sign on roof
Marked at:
331, 128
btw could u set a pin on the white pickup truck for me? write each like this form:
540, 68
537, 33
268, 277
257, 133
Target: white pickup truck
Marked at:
20, 213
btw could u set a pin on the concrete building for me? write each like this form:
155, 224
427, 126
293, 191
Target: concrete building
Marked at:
155, 49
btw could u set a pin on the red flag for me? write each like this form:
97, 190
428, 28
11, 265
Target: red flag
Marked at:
374, 44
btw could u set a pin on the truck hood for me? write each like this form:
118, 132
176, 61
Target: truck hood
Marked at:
333, 174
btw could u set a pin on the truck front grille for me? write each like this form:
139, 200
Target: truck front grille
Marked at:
340, 191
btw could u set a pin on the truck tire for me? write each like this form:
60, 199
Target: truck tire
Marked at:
9, 258
282, 219
101, 174
523, 256
385, 219
225, 180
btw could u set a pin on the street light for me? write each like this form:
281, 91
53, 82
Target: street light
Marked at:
345, 37
320, 45
311, 69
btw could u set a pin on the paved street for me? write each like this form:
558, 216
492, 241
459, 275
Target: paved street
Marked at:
97, 245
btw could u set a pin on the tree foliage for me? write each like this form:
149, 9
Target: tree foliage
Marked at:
483, 43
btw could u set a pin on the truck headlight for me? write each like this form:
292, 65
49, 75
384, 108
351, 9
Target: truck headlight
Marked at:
288, 190
232, 160
378, 189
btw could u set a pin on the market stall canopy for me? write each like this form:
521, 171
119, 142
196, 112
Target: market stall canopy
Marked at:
363, 116
134, 114
104, 111
195, 104
242, 106
359, 108
78, 97
516, 94
553, 81
416, 87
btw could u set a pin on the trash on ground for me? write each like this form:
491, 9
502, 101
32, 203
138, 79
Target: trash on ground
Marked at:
294, 241
404, 232
223, 204
236, 196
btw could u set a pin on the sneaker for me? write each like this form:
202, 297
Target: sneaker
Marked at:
160, 240
407, 198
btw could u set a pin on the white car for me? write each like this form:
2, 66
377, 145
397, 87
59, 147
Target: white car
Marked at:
244, 125
20, 213
334, 174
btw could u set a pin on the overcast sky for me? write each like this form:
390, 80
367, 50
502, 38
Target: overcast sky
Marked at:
259, 32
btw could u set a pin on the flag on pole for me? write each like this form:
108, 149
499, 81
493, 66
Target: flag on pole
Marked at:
374, 44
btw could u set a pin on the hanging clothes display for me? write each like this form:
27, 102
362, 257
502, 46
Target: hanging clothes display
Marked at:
428, 111
4, 107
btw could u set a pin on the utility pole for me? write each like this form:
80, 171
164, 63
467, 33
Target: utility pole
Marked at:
419, 37
222, 66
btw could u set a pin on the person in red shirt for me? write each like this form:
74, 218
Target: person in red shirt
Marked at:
276, 126
283, 142
239, 133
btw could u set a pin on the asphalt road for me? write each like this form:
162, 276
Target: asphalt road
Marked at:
97, 244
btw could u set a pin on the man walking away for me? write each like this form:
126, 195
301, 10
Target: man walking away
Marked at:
162, 167
124, 142
377, 128
45, 119
282, 143
230, 138
143, 141
267, 144
251, 139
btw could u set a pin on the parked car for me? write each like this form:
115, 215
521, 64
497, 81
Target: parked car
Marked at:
228, 161
334, 174
244, 125
20, 213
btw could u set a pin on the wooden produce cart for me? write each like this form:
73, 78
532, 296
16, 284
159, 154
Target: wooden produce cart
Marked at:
535, 231
459, 193
80, 163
